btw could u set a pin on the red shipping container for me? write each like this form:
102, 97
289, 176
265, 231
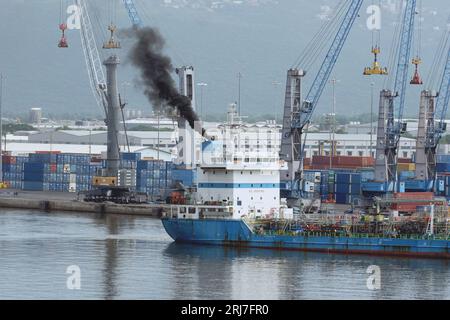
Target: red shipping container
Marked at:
414, 195
52, 168
9, 160
404, 160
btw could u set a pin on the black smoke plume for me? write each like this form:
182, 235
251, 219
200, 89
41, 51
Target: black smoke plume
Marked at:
156, 69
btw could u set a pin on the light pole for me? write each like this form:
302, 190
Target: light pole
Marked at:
239, 93
333, 121
201, 85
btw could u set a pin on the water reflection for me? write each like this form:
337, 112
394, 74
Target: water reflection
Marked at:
232, 273
124, 257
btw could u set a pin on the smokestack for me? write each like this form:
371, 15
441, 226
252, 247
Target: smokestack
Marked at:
113, 117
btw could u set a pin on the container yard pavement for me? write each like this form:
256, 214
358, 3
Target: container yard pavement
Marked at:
38, 195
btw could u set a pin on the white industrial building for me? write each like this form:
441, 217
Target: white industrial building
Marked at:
163, 139
255, 140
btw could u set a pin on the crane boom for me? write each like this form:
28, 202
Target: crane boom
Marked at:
133, 13
97, 79
404, 55
313, 96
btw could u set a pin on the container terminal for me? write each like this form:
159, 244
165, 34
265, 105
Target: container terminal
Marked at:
222, 188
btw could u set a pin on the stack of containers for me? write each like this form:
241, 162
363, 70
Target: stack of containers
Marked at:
154, 177
443, 163
348, 187
12, 167
38, 171
325, 185
341, 162
128, 160
33, 175
59, 172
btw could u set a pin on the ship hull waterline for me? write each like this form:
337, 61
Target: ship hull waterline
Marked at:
236, 233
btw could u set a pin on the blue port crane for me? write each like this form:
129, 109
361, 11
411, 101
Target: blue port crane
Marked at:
390, 116
297, 116
432, 126
133, 13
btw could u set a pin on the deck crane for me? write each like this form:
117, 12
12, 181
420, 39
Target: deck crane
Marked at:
297, 116
392, 103
432, 126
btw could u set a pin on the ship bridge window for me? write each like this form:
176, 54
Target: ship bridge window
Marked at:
239, 203
182, 210
191, 210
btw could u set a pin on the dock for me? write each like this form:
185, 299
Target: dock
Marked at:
69, 202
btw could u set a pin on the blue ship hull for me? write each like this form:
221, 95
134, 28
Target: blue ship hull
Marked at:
237, 233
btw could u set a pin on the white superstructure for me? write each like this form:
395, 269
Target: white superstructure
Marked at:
231, 173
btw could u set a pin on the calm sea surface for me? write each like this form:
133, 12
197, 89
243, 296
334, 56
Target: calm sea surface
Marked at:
122, 257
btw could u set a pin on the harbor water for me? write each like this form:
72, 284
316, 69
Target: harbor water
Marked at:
123, 257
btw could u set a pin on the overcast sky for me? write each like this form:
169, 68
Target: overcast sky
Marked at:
261, 42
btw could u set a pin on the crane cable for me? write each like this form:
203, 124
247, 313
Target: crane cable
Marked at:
309, 53
436, 71
394, 51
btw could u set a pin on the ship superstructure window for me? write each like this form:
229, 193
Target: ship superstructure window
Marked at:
239, 203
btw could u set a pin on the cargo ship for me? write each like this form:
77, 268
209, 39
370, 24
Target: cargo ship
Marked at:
239, 233
238, 202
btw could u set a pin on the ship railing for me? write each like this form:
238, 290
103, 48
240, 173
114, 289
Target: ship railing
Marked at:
356, 235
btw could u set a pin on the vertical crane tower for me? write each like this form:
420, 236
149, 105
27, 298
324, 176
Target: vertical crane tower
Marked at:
390, 115
432, 125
